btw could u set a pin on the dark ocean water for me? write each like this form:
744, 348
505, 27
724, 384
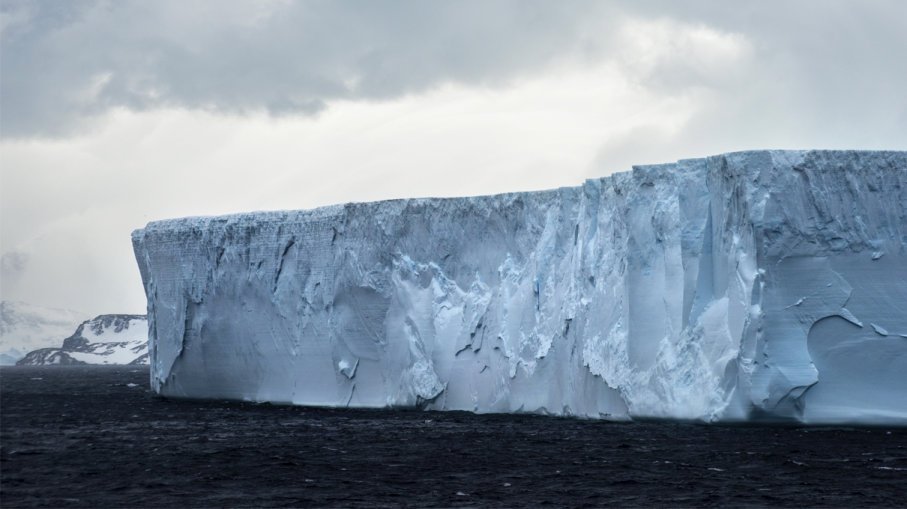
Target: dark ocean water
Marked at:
96, 437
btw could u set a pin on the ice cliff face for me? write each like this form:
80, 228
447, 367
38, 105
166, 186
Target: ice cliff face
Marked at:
106, 339
754, 285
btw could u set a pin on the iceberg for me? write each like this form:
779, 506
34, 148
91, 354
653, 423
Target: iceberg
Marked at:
750, 286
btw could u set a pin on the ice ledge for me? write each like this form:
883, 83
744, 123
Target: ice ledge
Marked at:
751, 285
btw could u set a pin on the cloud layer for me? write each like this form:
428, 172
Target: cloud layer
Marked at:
65, 62
807, 64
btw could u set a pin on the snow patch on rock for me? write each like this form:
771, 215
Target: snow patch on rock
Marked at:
106, 339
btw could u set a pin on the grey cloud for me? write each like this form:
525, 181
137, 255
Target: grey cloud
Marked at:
64, 62
819, 74
831, 62
834, 55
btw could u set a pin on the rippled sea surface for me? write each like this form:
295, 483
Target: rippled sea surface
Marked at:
97, 437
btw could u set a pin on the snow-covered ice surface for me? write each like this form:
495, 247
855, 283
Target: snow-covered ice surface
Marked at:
106, 339
765, 285
25, 327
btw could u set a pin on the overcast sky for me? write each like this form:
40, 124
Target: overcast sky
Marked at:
116, 113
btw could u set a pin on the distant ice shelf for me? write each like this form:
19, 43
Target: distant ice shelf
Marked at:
764, 285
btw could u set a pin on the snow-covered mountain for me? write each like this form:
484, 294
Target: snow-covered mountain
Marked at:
26, 327
107, 339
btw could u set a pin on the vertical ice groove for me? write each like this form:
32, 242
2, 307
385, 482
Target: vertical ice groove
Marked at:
281, 261
732, 287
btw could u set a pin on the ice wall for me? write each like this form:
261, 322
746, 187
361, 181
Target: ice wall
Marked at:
753, 285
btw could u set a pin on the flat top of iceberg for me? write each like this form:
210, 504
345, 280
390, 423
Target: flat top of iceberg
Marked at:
336, 210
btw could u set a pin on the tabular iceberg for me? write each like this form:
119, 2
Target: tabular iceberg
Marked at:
765, 285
